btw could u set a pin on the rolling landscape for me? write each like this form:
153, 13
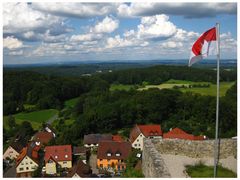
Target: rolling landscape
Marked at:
119, 90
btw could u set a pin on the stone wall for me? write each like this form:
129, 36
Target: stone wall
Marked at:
158, 154
152, 163
196, 149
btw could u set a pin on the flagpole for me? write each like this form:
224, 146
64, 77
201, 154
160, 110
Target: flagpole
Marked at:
217, 103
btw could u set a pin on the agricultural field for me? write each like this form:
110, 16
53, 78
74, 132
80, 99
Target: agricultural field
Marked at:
124, 87
71, 102
36, 118
211, 90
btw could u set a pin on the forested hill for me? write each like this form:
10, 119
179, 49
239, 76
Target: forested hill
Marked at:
162, 73
100, 110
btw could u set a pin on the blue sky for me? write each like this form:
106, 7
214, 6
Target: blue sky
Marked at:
61, 32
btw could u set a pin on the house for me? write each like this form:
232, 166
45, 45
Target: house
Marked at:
80, 170
144, 131
13, 151
83, 153
15, 147
57, 156
27, 161
112, 155
43, 137
117, 138
92, 140
178, 133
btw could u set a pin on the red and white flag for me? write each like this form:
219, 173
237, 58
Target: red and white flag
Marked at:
205, 45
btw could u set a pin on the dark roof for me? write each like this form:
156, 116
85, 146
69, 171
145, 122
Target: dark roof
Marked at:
96, 138
83, 170
17, 146
78, 150
112, 147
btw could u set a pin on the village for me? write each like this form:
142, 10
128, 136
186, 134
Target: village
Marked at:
102, 155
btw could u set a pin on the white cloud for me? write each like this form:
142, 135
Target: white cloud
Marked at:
108, 25
188, 10
12, 43
156, 27
78, 10
21, 21
85, 37
172, 44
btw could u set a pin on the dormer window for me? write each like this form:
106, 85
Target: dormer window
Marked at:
118, 154
109, 154
56, 157
66, 156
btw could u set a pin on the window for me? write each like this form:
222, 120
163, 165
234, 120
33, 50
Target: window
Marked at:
140, 135
118, 154
20, 169
30, 162
27, 168
135, 145
109, 154
66, 156
101, 165
100, 159
33, 168
137, 140
56, 157
64, 162
139, 145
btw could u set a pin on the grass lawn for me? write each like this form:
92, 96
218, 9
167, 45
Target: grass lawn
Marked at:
71, 102
224, 86
36, 118
124, 87
29, 106
202, 171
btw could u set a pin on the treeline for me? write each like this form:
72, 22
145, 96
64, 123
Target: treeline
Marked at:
44, 91
161, 73
108, 112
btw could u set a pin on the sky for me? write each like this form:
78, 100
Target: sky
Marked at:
37, 32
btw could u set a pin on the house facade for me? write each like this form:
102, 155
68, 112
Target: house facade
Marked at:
111, 155
10, 153
27, 162
57, 156
144, 131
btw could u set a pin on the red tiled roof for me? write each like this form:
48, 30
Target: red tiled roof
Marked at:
117, 138
43, 137
178, 133
31, 151
59, 153
96, 138
113, 148
146, 130
83, 170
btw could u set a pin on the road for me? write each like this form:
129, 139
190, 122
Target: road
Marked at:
50, 120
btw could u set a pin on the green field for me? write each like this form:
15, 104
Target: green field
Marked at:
71, 102
202, 171
36, 118
124, 87
224, 86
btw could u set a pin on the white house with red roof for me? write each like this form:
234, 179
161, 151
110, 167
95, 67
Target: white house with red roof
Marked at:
144, 131
57, 156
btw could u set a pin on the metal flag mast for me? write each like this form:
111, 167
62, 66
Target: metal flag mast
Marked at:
216, 150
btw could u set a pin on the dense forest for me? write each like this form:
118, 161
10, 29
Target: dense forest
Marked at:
100, 110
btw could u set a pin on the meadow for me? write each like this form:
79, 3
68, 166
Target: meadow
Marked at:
36, 118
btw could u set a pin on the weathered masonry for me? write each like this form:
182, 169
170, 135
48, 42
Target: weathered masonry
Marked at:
159, 154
